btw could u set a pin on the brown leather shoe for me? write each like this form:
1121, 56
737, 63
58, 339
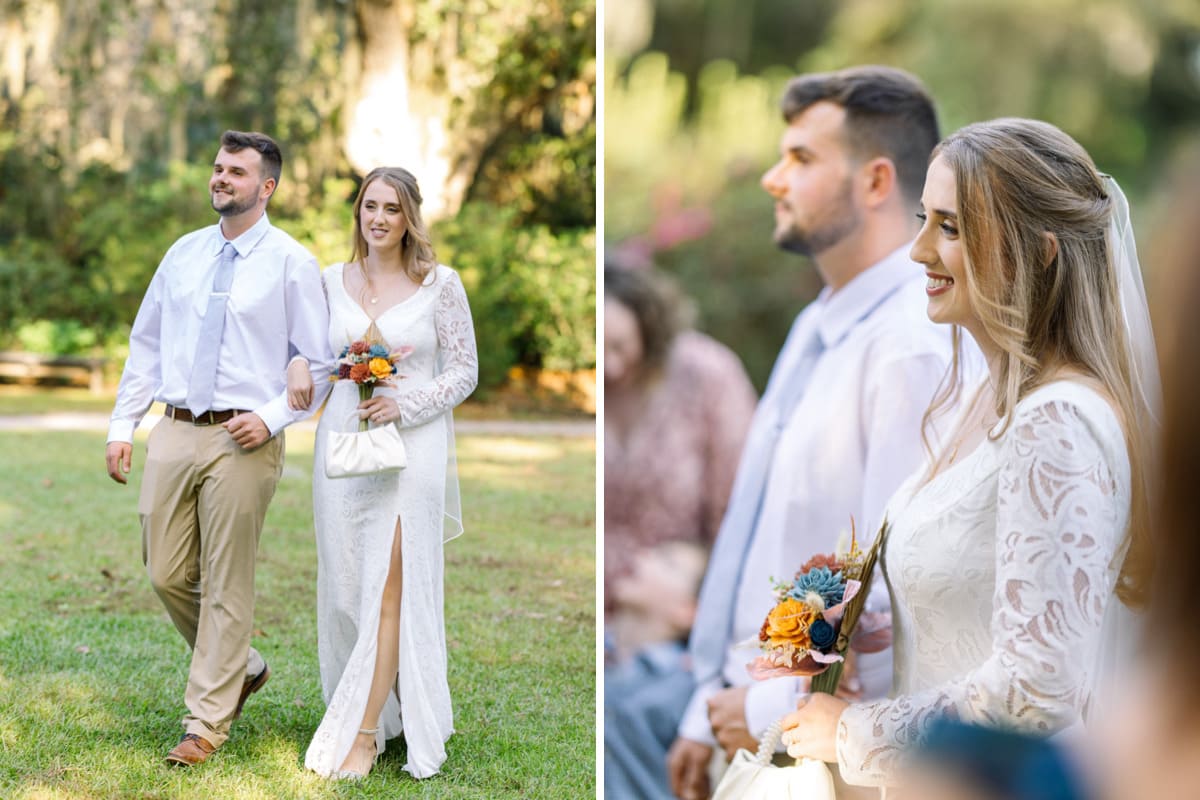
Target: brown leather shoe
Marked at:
190, 751
251, 686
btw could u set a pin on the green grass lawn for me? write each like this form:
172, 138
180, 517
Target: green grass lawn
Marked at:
41, 400
92, 673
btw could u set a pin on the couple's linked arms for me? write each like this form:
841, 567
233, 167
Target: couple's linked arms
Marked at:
307, 316
413, 406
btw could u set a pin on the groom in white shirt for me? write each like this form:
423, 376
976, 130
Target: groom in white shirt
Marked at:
839, 426
226, 309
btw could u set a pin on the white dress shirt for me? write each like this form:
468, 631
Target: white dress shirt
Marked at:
276, 309
852, 438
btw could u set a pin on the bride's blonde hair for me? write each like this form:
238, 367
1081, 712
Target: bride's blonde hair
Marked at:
1046, 303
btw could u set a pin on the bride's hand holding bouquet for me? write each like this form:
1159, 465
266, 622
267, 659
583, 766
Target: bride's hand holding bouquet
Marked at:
809, 632
369, 365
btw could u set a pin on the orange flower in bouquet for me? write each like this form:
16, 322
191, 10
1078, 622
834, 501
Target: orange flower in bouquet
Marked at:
368, 364
788, 624
808, 630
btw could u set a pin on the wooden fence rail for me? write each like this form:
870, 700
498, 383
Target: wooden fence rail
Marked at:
33, 367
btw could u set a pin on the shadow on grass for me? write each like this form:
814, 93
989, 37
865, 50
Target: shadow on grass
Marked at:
92, 674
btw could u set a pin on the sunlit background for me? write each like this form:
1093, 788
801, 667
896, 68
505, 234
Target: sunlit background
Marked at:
112, 113
692, 120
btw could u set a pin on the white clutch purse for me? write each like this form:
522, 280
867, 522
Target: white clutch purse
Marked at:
754, 777
352, 453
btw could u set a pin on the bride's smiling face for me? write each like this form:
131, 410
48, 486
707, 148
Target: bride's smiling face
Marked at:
380, 218
939, 248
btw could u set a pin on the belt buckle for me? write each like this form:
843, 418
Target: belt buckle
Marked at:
206, 418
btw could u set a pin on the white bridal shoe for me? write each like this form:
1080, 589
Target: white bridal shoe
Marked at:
352, 775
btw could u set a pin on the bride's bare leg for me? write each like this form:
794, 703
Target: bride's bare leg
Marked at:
387, 664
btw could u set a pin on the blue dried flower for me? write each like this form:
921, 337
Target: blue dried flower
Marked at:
821, 633
829, 585
345, 352
378, 351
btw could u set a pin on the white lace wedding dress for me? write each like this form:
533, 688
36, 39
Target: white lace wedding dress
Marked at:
355, 522
1002, 572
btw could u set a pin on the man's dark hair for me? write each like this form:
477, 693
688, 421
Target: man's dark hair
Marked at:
272, 159
888, 113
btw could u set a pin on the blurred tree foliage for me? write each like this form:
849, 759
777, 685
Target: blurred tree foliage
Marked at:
692, 120
112, 111
539, 308
683, 193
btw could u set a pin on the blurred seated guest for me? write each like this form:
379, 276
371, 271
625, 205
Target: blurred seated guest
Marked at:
677, 408
1152, 745
644, 678
653, 605
957, 761
677, 405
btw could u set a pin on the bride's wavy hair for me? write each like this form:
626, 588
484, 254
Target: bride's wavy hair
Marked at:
416, 250
1047, 303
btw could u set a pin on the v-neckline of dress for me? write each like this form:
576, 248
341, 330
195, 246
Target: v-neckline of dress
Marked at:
363, 311
925, 487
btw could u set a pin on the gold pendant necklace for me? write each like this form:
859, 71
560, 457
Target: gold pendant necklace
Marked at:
370, 285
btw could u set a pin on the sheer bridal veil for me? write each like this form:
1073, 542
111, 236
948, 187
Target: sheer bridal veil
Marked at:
1123, 626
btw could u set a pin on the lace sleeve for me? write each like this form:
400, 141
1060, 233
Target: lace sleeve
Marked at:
1062, 508
457, 357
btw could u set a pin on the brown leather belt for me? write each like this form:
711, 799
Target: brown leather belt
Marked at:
205, 418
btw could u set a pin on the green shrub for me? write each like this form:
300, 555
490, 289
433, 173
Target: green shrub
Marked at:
746, 290
532, 290
682, 192
58, 337
77, 286
92, 260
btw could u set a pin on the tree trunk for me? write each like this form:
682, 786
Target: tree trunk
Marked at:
396, 117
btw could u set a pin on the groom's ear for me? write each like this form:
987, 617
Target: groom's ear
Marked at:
878, 178
1049, 249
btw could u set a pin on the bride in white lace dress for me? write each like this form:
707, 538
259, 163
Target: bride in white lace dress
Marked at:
1014, 556
381, 634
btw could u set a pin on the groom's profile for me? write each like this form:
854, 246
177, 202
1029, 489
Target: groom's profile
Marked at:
227, 307
838, 426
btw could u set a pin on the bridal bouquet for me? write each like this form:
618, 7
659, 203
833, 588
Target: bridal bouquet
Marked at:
368, 364
808, 630
370, 450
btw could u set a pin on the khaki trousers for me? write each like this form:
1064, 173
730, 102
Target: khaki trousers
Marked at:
202, 505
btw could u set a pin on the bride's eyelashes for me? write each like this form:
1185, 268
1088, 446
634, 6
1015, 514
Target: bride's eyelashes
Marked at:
946, 227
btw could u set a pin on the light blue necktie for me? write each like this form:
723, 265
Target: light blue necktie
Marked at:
203, 382
714, 613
